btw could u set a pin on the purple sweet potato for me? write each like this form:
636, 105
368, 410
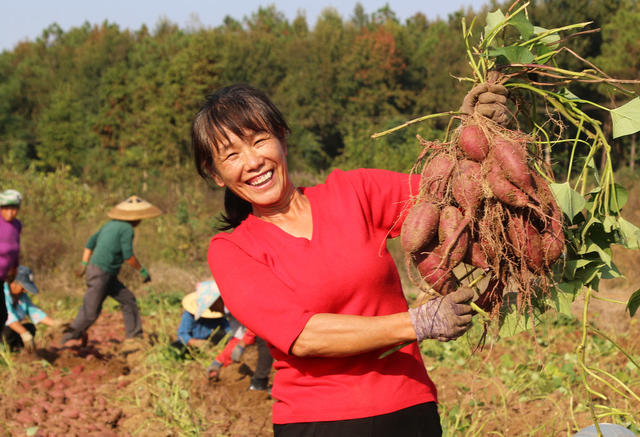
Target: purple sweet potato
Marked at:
512, 159
504, 190
473, 143
526, 242
435, 273
419, 227
475, 256
450, 219
466, 185
491, 296
435, 176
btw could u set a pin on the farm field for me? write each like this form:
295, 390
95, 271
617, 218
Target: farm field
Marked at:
521, 385
98, 112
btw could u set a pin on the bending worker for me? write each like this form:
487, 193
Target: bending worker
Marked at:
103, 256
19, 331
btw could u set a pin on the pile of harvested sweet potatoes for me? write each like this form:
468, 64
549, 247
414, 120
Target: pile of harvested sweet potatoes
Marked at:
484, 202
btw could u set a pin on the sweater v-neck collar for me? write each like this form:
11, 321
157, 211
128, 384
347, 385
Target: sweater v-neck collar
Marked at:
281, 233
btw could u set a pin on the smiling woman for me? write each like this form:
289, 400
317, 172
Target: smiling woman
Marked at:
304, 270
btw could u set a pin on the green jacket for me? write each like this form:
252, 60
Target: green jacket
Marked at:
111, 245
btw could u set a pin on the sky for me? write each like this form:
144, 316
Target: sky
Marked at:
22, 20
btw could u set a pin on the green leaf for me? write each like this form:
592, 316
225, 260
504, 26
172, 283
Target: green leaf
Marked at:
550, 39
564, 92
494, 19
512, 321
617, 202
590, 275
569, 200
629, 233
595, 248
571, 266
611, 273
634, 303
563, 295
571, 287
31, 431
626, 118
514, 54
610, 223
521, 22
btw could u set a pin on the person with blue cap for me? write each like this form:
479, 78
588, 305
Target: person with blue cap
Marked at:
23, 316
10, 229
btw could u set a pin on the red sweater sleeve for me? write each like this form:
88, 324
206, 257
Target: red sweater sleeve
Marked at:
387, 195
277, 315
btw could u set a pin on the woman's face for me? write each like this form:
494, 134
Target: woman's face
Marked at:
9, 212
255, 168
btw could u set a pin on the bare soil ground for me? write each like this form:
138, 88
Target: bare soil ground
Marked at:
93, 390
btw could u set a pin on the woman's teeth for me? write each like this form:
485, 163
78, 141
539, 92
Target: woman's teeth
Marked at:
259, 180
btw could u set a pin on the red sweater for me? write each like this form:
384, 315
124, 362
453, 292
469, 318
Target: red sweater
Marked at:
273, 282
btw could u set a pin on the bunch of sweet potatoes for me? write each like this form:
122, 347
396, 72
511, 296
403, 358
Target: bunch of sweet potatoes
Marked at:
483, 203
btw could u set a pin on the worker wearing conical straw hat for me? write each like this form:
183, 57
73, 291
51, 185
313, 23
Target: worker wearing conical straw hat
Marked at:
103, 256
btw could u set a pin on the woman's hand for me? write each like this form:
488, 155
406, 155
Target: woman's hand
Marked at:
27, 340
196, 342
444, 318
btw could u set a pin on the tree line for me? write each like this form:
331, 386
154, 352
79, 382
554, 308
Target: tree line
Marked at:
114, 106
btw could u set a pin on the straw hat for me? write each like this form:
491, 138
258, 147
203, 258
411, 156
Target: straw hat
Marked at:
198, 302
134, 208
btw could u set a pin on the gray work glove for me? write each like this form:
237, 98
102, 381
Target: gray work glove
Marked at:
27, 340
236, 353
443, 318
488, 99
213, 371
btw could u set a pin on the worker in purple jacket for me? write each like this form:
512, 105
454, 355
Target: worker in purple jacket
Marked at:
10, 228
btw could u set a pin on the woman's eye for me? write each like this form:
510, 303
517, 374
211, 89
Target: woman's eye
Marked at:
261, 139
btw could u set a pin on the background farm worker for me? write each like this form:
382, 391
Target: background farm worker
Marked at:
18, 331
204, 315
234, 350
103, 256
10, 228
260, 377
307, 270
211, 325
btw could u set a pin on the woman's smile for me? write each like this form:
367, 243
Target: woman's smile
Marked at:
261, 180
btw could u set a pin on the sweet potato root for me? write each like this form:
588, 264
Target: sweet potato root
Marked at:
512, 159
473, 142
526, 242
435, 176
419, 227
504, 190
466, 185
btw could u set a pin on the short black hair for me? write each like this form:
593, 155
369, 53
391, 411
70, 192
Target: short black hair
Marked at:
240, 109
236, 108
